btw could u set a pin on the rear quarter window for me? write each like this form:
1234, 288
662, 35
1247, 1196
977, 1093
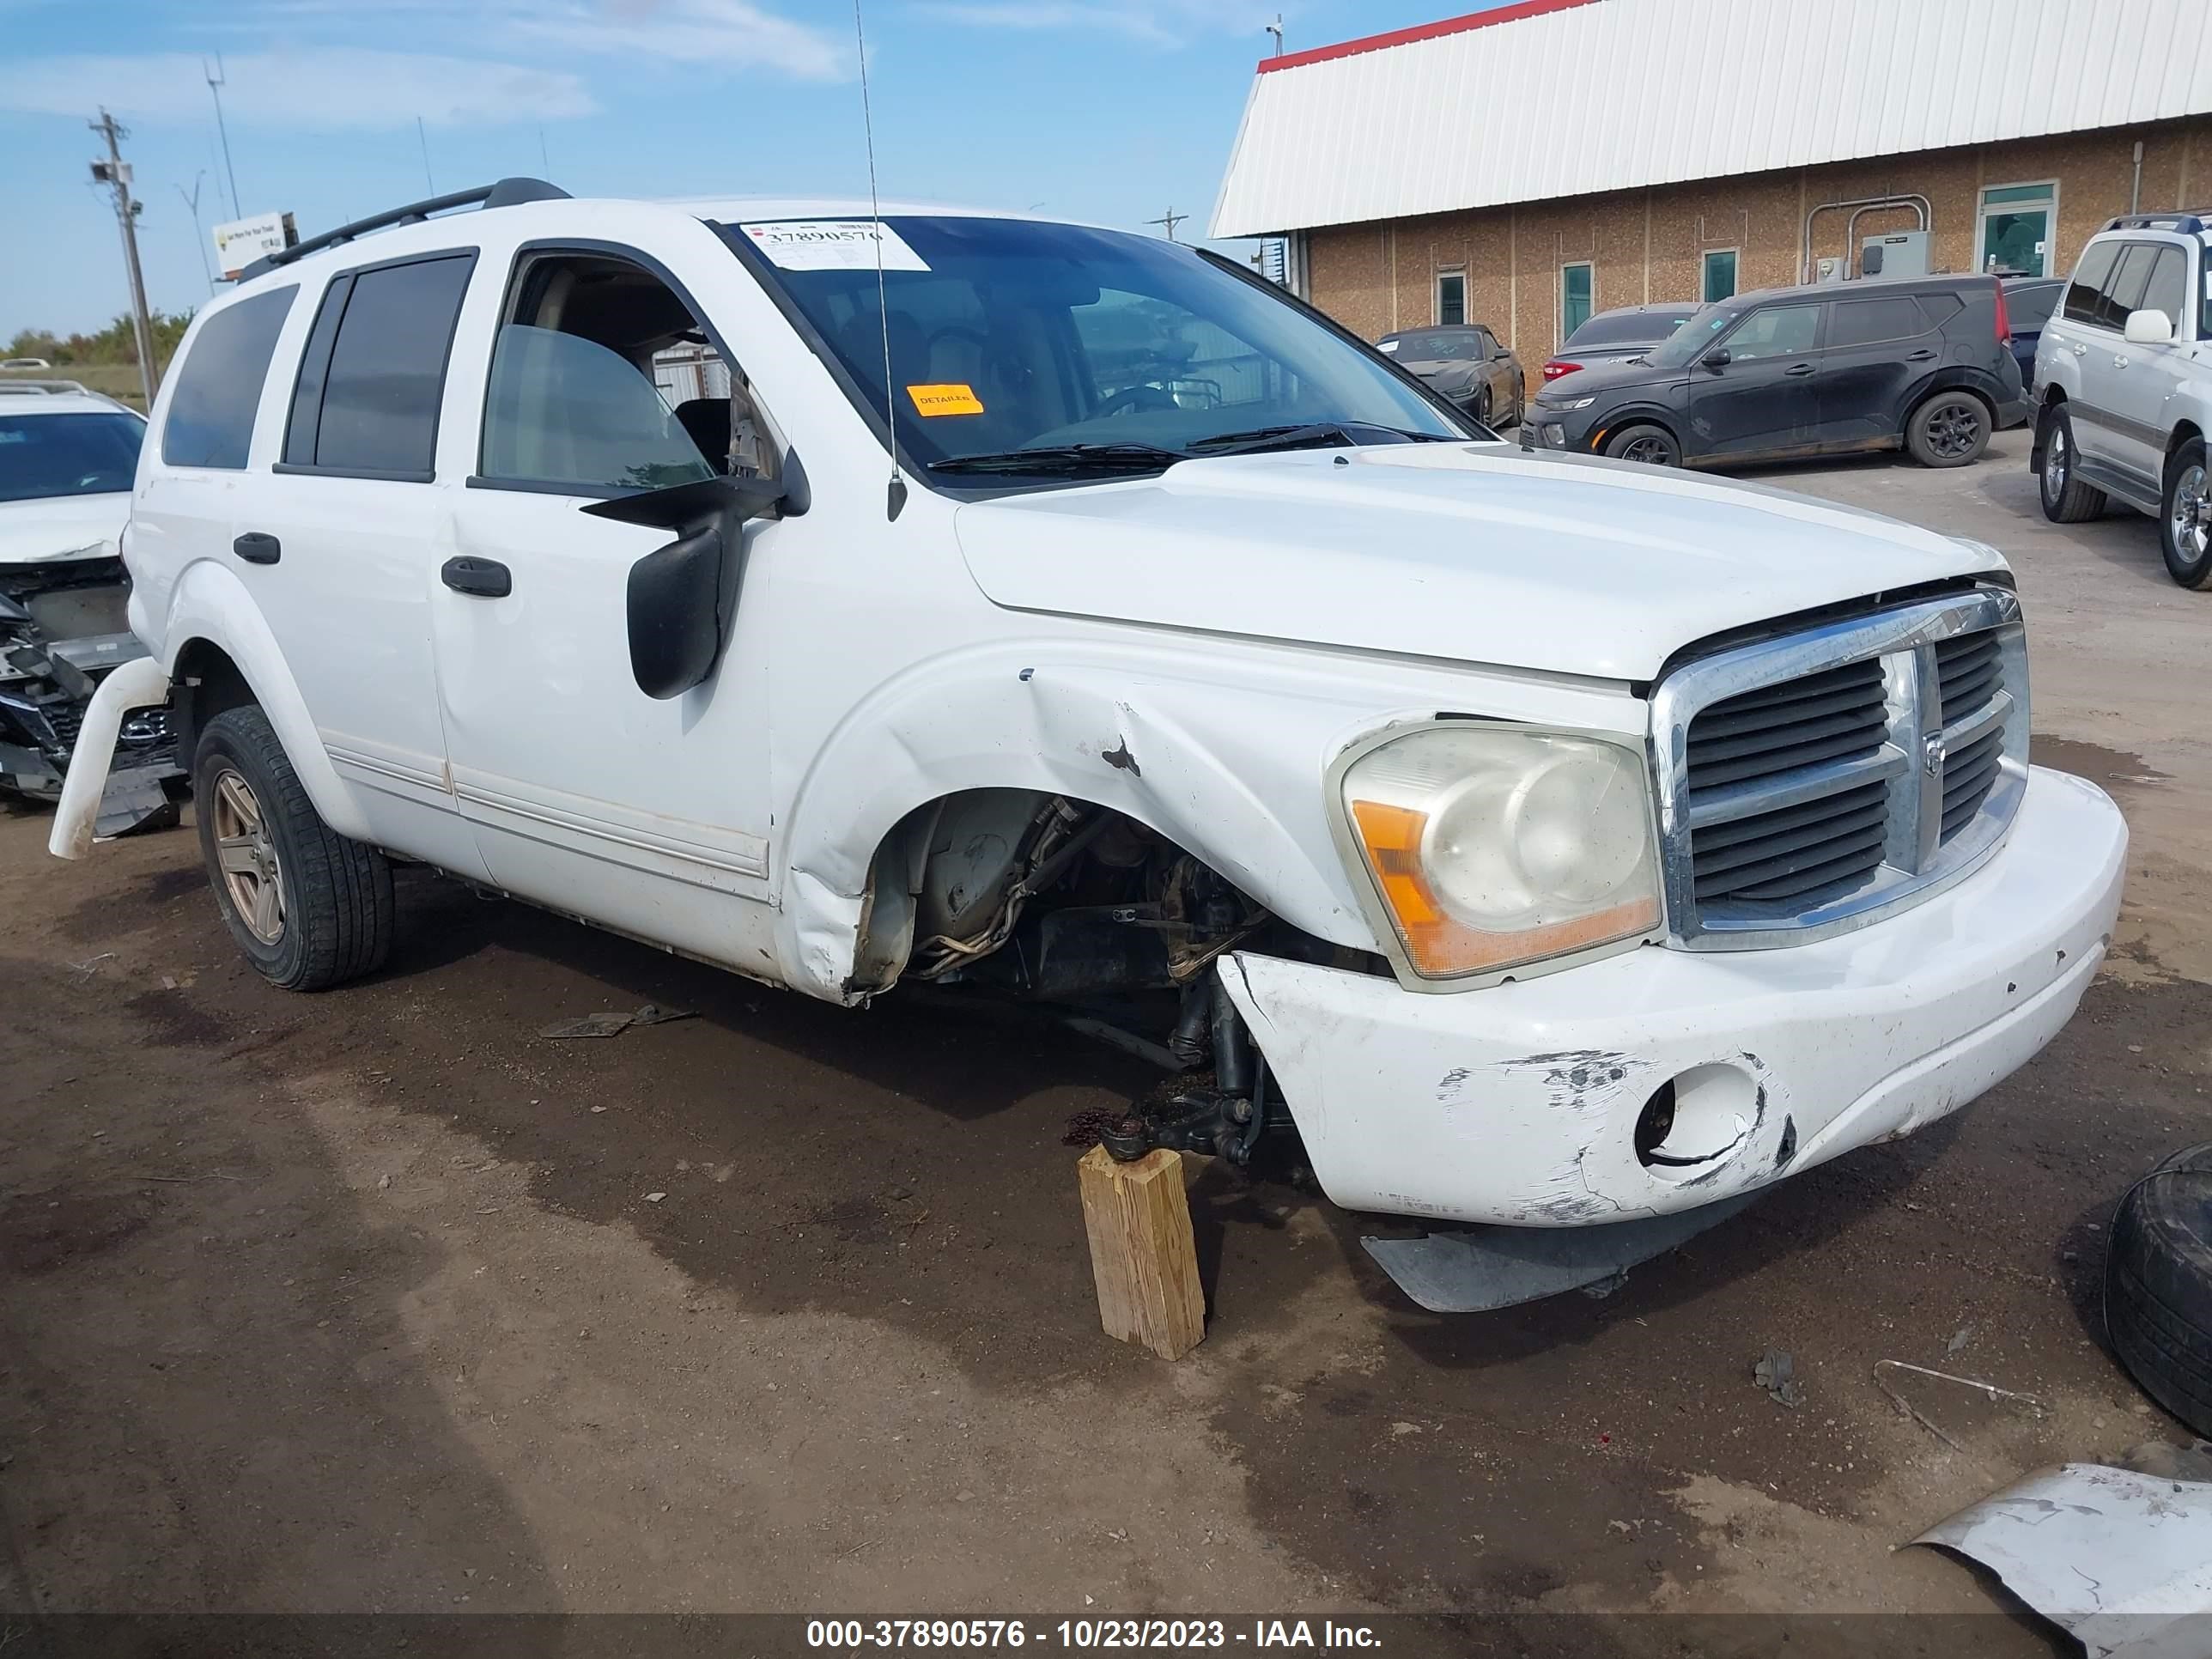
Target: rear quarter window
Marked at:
218, 387
1863, 322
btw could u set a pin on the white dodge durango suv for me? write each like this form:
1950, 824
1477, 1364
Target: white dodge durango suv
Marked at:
853, 599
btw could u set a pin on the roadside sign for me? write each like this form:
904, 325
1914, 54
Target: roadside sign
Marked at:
240, 242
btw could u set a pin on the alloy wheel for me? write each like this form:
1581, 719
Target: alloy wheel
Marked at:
2189, 518
1652, 451
246, 858
1955, 429
2058, 457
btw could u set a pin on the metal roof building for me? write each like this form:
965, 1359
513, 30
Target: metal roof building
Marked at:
1555, 101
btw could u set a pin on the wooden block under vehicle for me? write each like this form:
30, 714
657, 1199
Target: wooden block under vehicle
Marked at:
1142, 1254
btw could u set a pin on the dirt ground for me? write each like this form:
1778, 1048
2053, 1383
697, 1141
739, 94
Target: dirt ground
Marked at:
378, 1300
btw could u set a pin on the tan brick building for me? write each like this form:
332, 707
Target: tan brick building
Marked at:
1686, 156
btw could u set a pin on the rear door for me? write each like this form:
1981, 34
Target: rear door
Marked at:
1876, 349
352, 520
1766, 396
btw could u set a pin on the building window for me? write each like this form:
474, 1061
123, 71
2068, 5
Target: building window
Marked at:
2017, 225
1720, 275
1451, 299
1576, 284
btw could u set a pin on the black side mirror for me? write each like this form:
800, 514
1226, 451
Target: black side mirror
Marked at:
682, 596
1717, 358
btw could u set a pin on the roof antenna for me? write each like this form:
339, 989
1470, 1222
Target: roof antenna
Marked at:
894, 496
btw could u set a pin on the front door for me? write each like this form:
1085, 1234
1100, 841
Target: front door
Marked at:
1765, 397
644, 814
2139, 389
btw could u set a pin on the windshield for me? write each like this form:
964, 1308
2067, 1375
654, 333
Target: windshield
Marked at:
1108, 350
89, 454
1434, 345
1616, 328
1687, 341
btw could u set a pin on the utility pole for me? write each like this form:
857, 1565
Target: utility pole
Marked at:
193, 202
1169, 221
217, 81
113, 171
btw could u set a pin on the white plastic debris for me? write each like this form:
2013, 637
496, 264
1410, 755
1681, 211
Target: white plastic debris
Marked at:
2121, 1560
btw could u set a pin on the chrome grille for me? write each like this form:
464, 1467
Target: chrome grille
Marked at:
1819, 780
1838, 715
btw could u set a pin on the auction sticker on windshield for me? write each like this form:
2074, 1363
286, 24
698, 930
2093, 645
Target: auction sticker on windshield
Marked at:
945, 400
832, 245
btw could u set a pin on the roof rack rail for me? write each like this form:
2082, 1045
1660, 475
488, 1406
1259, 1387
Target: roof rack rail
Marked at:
2189, 224
508, 192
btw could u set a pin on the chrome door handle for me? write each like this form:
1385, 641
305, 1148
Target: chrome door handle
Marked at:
2119, 362
2079, 350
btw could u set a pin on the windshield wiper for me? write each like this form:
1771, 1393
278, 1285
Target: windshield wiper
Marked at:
1308, 435
1066, 458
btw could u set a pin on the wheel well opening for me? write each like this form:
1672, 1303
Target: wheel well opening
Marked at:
204, 684
1051, 897
2186, 433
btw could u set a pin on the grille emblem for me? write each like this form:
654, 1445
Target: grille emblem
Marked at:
1932, 754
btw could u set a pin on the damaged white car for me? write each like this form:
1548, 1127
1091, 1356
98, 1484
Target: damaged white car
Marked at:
1549, 841
67, 458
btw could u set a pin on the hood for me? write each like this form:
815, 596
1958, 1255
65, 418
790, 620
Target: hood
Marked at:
1605, 374
1440, 368
1474, 553
51, 528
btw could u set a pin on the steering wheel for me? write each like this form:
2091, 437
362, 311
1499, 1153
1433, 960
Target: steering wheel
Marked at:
1132, 399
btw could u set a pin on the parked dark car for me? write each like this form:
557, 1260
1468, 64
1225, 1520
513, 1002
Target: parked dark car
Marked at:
1467, 364
1614, 337
1921, 363
2029, 302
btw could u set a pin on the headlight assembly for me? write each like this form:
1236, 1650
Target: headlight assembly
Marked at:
1572, 402
1487, 847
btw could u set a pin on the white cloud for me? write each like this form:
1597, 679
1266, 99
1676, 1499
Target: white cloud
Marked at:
1162, 22
684, 33
322, 88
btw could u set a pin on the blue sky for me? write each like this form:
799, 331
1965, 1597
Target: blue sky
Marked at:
1106, 110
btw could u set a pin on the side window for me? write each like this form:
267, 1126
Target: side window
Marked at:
1775, 332
210, 419
1489, 344
374, 370
2085, 296
572, 400
2169, 288
2129, 280
1861, 322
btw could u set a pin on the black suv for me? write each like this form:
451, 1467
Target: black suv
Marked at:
1923, 362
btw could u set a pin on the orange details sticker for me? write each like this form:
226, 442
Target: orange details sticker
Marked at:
953, 399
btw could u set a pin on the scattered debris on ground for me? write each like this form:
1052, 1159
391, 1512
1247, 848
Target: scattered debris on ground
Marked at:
1777, 1373
2119, 1559
615, 1023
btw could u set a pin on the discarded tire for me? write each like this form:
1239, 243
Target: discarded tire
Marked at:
2158, 1285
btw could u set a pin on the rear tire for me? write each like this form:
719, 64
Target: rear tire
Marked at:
309, 907
2065, 498
1951, 429
1653, 445
2158, 1285
2185, 519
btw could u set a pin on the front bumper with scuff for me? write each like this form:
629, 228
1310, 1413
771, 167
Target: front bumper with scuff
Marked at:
1517, 1103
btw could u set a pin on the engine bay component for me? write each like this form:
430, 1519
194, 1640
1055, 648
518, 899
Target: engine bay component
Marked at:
62, 630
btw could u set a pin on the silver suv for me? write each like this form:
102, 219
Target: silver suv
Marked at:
2124, 385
